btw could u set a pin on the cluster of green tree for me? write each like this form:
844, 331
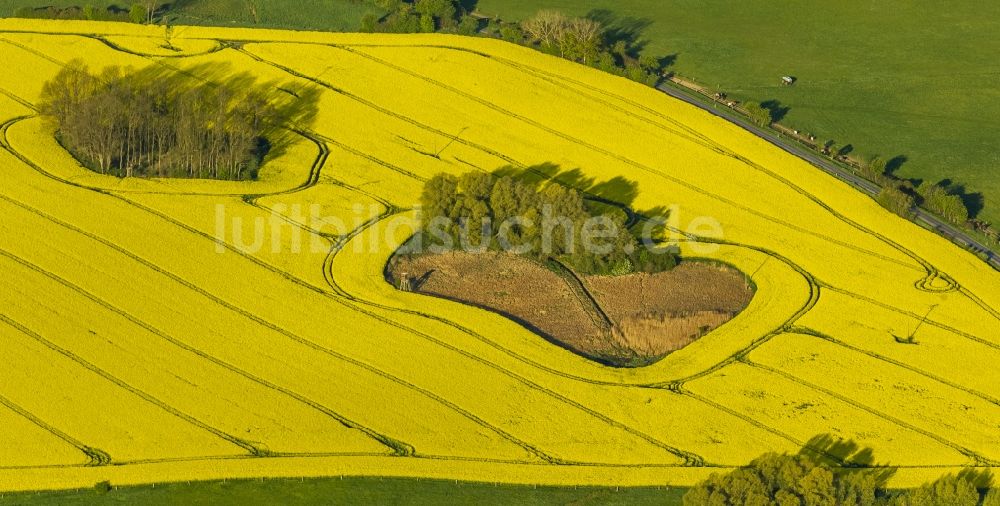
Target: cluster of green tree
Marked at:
484, 212
158, 124
802, 480
142, 12
584, 40
901, 196
758, 113
587, 41
421, 16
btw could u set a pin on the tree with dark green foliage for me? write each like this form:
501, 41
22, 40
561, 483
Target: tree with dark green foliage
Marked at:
896, 199
137, 14
441, 11
369, 23
875, 168
787, 480
949, 490
810, 478
467, 25
511, 32
758, 113
939, 200
414, 16
427, 24
480, 211
158, 123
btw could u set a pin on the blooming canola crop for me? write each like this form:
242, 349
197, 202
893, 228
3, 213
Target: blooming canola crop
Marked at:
163, 330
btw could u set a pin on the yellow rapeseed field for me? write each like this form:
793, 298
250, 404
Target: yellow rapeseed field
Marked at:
161, 330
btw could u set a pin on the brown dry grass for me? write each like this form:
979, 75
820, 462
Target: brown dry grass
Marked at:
653, 314
513, 286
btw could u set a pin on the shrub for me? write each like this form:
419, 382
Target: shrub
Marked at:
156, 123
946, 491
760, 114
895, 199
137, 14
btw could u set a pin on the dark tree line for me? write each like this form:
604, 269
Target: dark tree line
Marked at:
416, 16
808, 480
156, 124
138, 12
485, 212
596, 40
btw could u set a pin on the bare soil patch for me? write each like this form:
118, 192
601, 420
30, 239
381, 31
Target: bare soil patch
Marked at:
625, 321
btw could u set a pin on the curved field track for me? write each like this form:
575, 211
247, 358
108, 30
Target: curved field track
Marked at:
176, 330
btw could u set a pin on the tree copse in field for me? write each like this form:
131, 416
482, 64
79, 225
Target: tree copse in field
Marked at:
155, 123
585, 40
804, 480
895, 198
481, 211
759, 114
418, 16
940, 201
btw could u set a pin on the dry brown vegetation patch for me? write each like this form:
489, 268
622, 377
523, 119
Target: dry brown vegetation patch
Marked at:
630, 320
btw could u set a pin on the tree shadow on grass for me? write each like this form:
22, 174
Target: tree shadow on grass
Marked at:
468, 5
622, 29
894, 164
974, 202
777, 110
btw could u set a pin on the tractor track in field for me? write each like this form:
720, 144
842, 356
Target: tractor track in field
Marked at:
690, 460
401, 449
688, 457
978, 460
651, 170
249, 447
396, 446
898, 363
104, 40
911, 314
95, 456
696, 137
925, 282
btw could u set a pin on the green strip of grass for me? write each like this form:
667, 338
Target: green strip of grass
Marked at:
292, 492
893, 78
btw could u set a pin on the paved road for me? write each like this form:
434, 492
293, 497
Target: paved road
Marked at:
942, 227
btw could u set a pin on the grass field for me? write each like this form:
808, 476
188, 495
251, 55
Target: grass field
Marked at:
330, 15
151, 340
351, 491
891, 78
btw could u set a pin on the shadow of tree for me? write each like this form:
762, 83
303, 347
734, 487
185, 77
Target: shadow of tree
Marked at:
894, 164
291, 108
616, 194
834, 451
468, 5
974, 202
778, 111
622, 29
617, 190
